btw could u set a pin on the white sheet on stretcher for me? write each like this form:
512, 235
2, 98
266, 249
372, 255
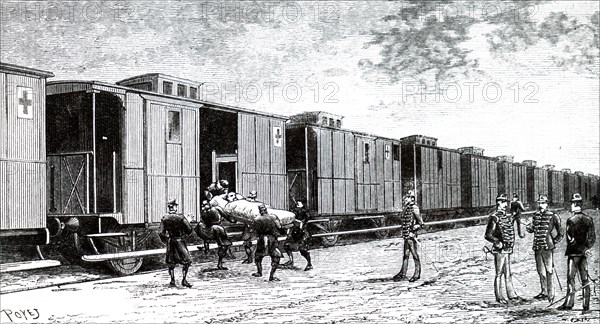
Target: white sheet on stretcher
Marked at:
246, 211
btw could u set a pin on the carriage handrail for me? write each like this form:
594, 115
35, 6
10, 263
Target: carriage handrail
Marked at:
71, 153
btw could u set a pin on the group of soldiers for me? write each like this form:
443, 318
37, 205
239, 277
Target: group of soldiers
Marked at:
545, 227
547, 232
265, 228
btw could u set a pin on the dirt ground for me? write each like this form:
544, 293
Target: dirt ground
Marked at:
349, 283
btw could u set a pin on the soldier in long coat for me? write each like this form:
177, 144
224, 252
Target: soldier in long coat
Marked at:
265, 226
542, 226
297, 236
173, 227
581, 236
411, 222
516, 207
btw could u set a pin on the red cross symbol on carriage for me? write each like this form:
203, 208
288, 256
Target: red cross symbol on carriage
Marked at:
277, 136
25, 104
387, 152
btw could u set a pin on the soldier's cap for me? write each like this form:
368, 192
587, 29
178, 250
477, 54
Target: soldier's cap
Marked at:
576, 197
252, 194
172, 202
501, 197
542, 199
515, 195
410, 194
224, 183
262, 209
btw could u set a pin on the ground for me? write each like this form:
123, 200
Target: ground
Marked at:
350, 283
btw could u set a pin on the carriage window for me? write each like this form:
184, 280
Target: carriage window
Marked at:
181, 91
339, 123
174, 127
396, 152
324, 121
167, 87
440, 160
366, 160
331, 122
193, 93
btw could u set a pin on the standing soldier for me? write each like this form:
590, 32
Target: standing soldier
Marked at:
580, 238
266, 228
542, 225
297, 236
173, 227
516, 207
211, 229
411, 221
501, 233
248, 234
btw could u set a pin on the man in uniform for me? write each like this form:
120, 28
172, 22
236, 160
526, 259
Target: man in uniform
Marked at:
411, 221
211, 229
580, 238
501, 233
267, 230
516, 207
173, 227
248, 234
297, 236
542, 225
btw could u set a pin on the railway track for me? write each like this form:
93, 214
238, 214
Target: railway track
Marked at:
68, 274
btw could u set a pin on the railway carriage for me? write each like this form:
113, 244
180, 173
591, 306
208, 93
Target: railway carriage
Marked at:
571, 185
585, 188
23, 155
479, 181
512, 177
343, 174
435, 175
537, 181
556, 187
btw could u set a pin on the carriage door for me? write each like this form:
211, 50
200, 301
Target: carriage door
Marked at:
224, 167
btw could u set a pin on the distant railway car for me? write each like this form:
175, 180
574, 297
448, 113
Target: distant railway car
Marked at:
23, 154
537, 181
479, 181
585, 188
512, 177
116, 154
571, 185
434, 172
341, 172
556, 187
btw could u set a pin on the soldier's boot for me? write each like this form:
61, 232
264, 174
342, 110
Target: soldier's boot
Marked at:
586, 296
221, 253
206, 247
184, 281
306, 255
402, 274
248, 254
258, 261
544, 286
172, 275
417, 274
290, 262
274, 266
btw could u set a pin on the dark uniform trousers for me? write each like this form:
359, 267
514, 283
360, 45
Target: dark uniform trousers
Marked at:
211, 229
581, 236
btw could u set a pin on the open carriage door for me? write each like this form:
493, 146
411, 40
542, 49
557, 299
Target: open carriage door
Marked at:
224, 167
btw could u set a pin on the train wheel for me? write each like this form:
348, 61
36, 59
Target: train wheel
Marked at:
71, 249
119, 244
381, 222
330, 227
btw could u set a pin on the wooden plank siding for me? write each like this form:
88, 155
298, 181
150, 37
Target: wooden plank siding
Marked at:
556, 186
261, 164
23, 202
537, 183
438, 178
512, 178
479, 181
172, 167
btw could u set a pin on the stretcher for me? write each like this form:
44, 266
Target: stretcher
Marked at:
245, 211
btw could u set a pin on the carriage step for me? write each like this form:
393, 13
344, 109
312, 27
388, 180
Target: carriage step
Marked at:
318, 221
100, 235
28, 265
368, 217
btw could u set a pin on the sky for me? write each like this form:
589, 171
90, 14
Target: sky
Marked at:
527, 96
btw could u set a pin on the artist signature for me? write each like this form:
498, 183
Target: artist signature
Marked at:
20, 315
